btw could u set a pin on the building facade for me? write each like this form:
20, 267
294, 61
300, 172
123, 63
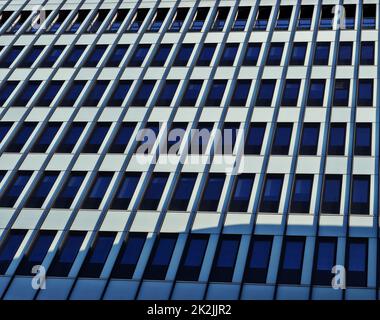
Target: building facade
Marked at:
102, 195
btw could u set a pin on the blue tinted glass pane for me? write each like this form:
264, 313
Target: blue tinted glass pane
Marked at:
95, 56
100, 186
273, 188
122, 138
73, 93
22, 136
216, 92
96, 93
74, 56
72, 186
298, 54
332, 190
243, 188
125, 192
27, 93
97, 137
9, 248
302, 189
183, 55
164, 251
265, 95
156, 187
71, 137
117, 56
360, 190
260, 254
255, 138
45, 185
52, 56
195, 253
192, 92
143, 94
316, 93
363, 136
275, 54
120, 93
71, 248
161, 55
310, 136
326, 255
185, 187
102, 247
345, 53
367, 53
252, 54
206, 55
133, 249
6, 91
229, 54
214, 188
31, 56
167, 93
50, 93
4, 129
357, 256
227, 253
337, 135
321, 56
10, 56
293, 255
290, 95
40, 247
139, 55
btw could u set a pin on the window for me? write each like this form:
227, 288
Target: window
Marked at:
161, 55
298, 54
349, 16
147, 138
73, 57
321, 54
4, 129
174, 138
100, 17
4, 16
183, 191
69, 190
139, 55
331, 193
356, 262
158, 19
327, 16
367, 53
50, 93
252, 54
291, 263
160, 257
360, 194
183, 55
282, 138
153, 192
71, 137
369, 16
96, 139
9, 248
129, 255
52, 56
290, 93
79, 18
72, 94
241, 193
261, 22
96, 93
125, 191
227, 142
255, 138
215, 95
66, 255
341, 92
283, 19
206, 54
275, 54
258, 259
18, 22
31, 56
6, 91
143, 94
270, 198
240, 94
119, 93
241, 19
305, 18
345, 53
95, 56
27, 92
212, 192
117, 55
122, 138
46, 137
167, 93
200, 138
15, 188
97, 190
97, 256
220, 19
22, 136
192, 258
58, 21
316, 92
42, 190
179, 19
37, 253
309, 139
302, 188
225, 258
265, 95
138, 20
199, 19
191, 94
363, 139
324, 261
117, 21
365, 92
337, 139
2, 175
229, 54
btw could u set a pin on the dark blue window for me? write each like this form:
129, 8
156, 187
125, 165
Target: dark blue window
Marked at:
160, 257
128, 257
345, 53
309, 139
258, 261
9, 248
46, 137
7, 90
316, 92
199, 19
265, 95
66, 255
283, 19
98, 190
122, 137
360, 193
291, 91
73, 56
363, 134
327, 16
331, 193
270, 198
139, 55
191, 94
15, 188
183, 55
282, 138
292, 258
220, 19
69, 190
241, 192
41, 191
216, 93
321, 54
4, 129
58, 21
36, 255
369, 16
153, 192
192, 258
175, 137
367, 53
142, 96
298, 54
350, 15
26, 93
212, 192
97, 137
10, 56
275, 54
138, 20
73, 93
179, 19
158, 20
161, 55
255, 138
225, 258
206, 54
302, 188
2, 175
119, 93
167, 93
117, 55
306, 15
228, 138
49, 94
71, 137
341, 92
31, 56
356, 262
18, 23
125, 191
337, 139
261, 22
183, 191
5, 15
200, 138
21, 137
229, 54
53, 55
240, 94
95, 24
77, 21
325, 260
96, 93
252, 54
365, 92
147, 137
95, 56
241, 19
97, 256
